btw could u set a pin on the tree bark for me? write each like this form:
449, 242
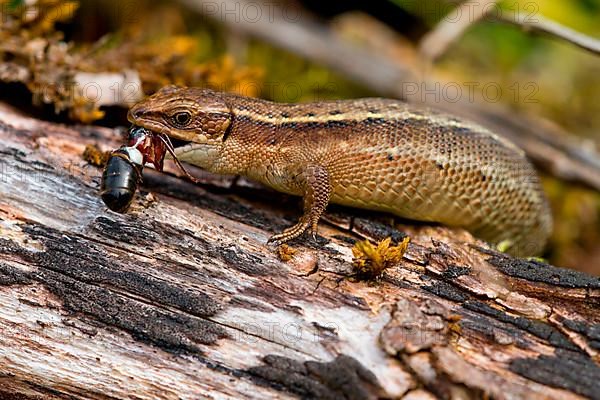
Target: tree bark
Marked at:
181, 299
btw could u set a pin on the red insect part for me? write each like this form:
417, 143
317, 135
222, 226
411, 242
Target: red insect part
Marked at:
152, 146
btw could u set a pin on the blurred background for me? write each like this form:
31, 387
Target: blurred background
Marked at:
529, 70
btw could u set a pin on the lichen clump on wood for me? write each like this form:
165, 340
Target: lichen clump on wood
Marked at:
118, 69
32, 52
285, 252
96, 157
370, 261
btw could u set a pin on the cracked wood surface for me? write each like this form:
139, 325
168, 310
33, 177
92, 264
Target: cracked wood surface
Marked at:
180, 298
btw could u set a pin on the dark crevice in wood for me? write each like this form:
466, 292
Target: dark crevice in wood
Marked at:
447, 291
536, 271
539, 329
590, 331
565, 369
342, 378
219, 204
10, 275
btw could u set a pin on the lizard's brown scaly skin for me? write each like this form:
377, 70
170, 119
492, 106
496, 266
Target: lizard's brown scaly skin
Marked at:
375, 153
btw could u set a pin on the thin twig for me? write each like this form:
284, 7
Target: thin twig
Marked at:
448, 30
436, 42
542, 25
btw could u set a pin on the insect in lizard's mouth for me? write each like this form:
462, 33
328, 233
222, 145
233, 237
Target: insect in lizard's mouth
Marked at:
123, 171
154, 147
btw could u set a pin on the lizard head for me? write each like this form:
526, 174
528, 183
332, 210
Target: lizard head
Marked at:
189, 114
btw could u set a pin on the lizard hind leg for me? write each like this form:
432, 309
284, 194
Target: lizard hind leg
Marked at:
317, 191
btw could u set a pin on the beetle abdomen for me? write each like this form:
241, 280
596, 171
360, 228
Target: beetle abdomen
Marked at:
120, 181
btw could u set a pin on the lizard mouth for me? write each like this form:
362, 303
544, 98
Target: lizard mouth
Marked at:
155, 127
155, 148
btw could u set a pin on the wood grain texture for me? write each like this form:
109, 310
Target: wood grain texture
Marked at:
180, 298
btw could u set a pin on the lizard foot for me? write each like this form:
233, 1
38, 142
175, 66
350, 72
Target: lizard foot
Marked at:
293, 232
288, 234
316, 196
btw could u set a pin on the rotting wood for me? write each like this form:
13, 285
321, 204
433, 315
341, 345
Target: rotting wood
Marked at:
181, 298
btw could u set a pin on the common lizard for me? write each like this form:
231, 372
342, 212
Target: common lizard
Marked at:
374, 153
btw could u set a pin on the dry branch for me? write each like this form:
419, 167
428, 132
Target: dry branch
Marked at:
291, 29
446, 32
548, 27
437, 41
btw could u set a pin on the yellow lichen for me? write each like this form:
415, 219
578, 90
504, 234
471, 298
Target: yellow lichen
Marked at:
152, 50
93, 155
285, 252
370, 261
38, 17
454, 317
84, 111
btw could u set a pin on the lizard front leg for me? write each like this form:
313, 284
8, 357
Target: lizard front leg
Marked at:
317, 191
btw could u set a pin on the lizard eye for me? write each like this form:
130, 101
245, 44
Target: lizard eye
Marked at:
182, 119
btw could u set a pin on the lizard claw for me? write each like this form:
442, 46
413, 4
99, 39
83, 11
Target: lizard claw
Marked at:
274, 241
288, 234
313, 230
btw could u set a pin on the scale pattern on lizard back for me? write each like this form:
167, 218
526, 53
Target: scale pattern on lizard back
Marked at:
379, 154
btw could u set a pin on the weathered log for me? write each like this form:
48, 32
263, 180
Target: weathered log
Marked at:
181, 298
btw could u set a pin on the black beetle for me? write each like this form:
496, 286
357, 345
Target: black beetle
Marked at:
120, 179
